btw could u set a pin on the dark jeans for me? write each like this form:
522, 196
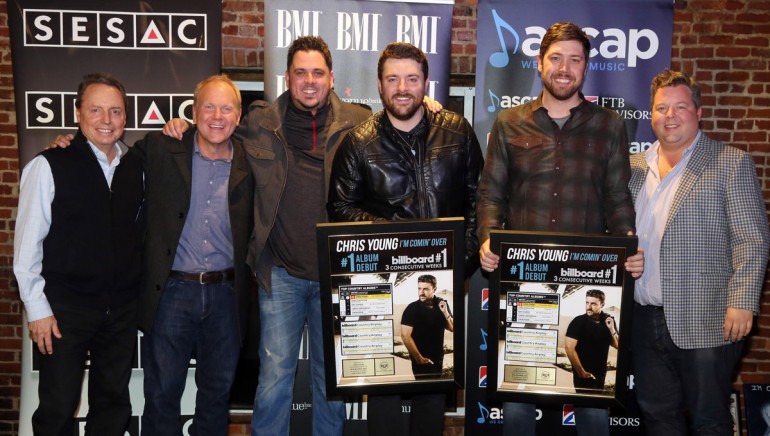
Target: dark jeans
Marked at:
426, 418
672, 383
110, 336
192, 320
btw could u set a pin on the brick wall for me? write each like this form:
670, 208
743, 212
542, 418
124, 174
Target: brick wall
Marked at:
724, 43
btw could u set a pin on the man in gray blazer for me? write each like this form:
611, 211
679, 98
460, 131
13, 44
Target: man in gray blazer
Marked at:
701, 220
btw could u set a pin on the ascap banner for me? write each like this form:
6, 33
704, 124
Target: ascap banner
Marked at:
630, 43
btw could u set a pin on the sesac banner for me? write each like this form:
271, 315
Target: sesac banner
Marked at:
356, 32
630, 43
159, 50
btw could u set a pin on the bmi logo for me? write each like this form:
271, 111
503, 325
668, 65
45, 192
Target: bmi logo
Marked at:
114, 30
482, 376
568, 415
485, 299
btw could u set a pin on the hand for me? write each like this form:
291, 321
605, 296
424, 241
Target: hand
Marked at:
41, 331
610, 322
635, 264
175, 128
442, 306
737, 324
489, 260
61, 141
432, 105
582, 373
423, 360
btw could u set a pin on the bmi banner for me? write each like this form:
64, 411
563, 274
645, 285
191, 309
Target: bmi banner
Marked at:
356, 32
158, 49
630, 43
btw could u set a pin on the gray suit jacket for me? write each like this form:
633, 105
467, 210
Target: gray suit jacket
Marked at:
715, 245
168, 181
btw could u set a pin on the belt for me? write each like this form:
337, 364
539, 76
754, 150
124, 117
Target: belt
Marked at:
204, 278
647, 306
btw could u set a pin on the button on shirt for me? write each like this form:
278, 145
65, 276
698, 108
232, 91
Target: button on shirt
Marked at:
33, 222
653, 205
206, 243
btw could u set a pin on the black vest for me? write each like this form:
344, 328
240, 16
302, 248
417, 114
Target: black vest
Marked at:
92, 253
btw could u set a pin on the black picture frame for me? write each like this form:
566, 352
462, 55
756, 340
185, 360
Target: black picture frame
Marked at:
368, 275
545, 276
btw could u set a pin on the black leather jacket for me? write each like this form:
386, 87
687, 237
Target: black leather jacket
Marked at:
380, 174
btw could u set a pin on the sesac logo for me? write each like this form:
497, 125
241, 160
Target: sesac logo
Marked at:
617, 49
56, 110
114, 30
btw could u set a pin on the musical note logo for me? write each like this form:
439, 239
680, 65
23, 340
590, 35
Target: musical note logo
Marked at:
499, 59
484, 335
494, 101
483, 414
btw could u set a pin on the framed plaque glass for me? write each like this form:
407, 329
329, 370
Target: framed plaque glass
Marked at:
560, 318
392, 305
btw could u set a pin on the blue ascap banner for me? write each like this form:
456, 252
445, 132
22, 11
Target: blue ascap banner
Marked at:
630, 43
356, 32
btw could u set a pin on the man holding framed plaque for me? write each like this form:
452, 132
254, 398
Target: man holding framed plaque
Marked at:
556, 164
407, 163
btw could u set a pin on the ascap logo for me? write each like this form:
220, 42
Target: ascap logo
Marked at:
627, 46
56, 110
114, 30
489, 416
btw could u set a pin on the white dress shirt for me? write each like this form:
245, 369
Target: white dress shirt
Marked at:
33, 220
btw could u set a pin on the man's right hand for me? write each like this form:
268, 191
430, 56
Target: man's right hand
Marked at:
585, 374
423, 360
41, 331
62, 141
489, 260
175, 128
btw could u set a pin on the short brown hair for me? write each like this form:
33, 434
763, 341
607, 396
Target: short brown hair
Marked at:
565, 31
217, 78
427, 278
595, 293
402, 50
100, 79
309, 43
674, 78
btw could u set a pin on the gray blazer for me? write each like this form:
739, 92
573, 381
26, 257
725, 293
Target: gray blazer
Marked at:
715, 245
168, 181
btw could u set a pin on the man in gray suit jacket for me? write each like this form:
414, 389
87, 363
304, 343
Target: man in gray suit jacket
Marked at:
701, 220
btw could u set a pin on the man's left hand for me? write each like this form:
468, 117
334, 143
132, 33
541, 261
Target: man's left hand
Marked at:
610, 322
737, 324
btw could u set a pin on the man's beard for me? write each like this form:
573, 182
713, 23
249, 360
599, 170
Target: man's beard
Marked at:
561, 93
401, 112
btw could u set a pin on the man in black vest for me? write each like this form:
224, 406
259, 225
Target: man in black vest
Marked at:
77, 261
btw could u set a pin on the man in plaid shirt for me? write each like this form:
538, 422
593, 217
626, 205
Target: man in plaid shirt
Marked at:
559, 164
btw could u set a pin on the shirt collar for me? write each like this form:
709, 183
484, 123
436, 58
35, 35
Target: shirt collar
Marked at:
651, 155
197, 150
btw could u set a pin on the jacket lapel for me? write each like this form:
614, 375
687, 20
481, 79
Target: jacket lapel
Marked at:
700, 158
